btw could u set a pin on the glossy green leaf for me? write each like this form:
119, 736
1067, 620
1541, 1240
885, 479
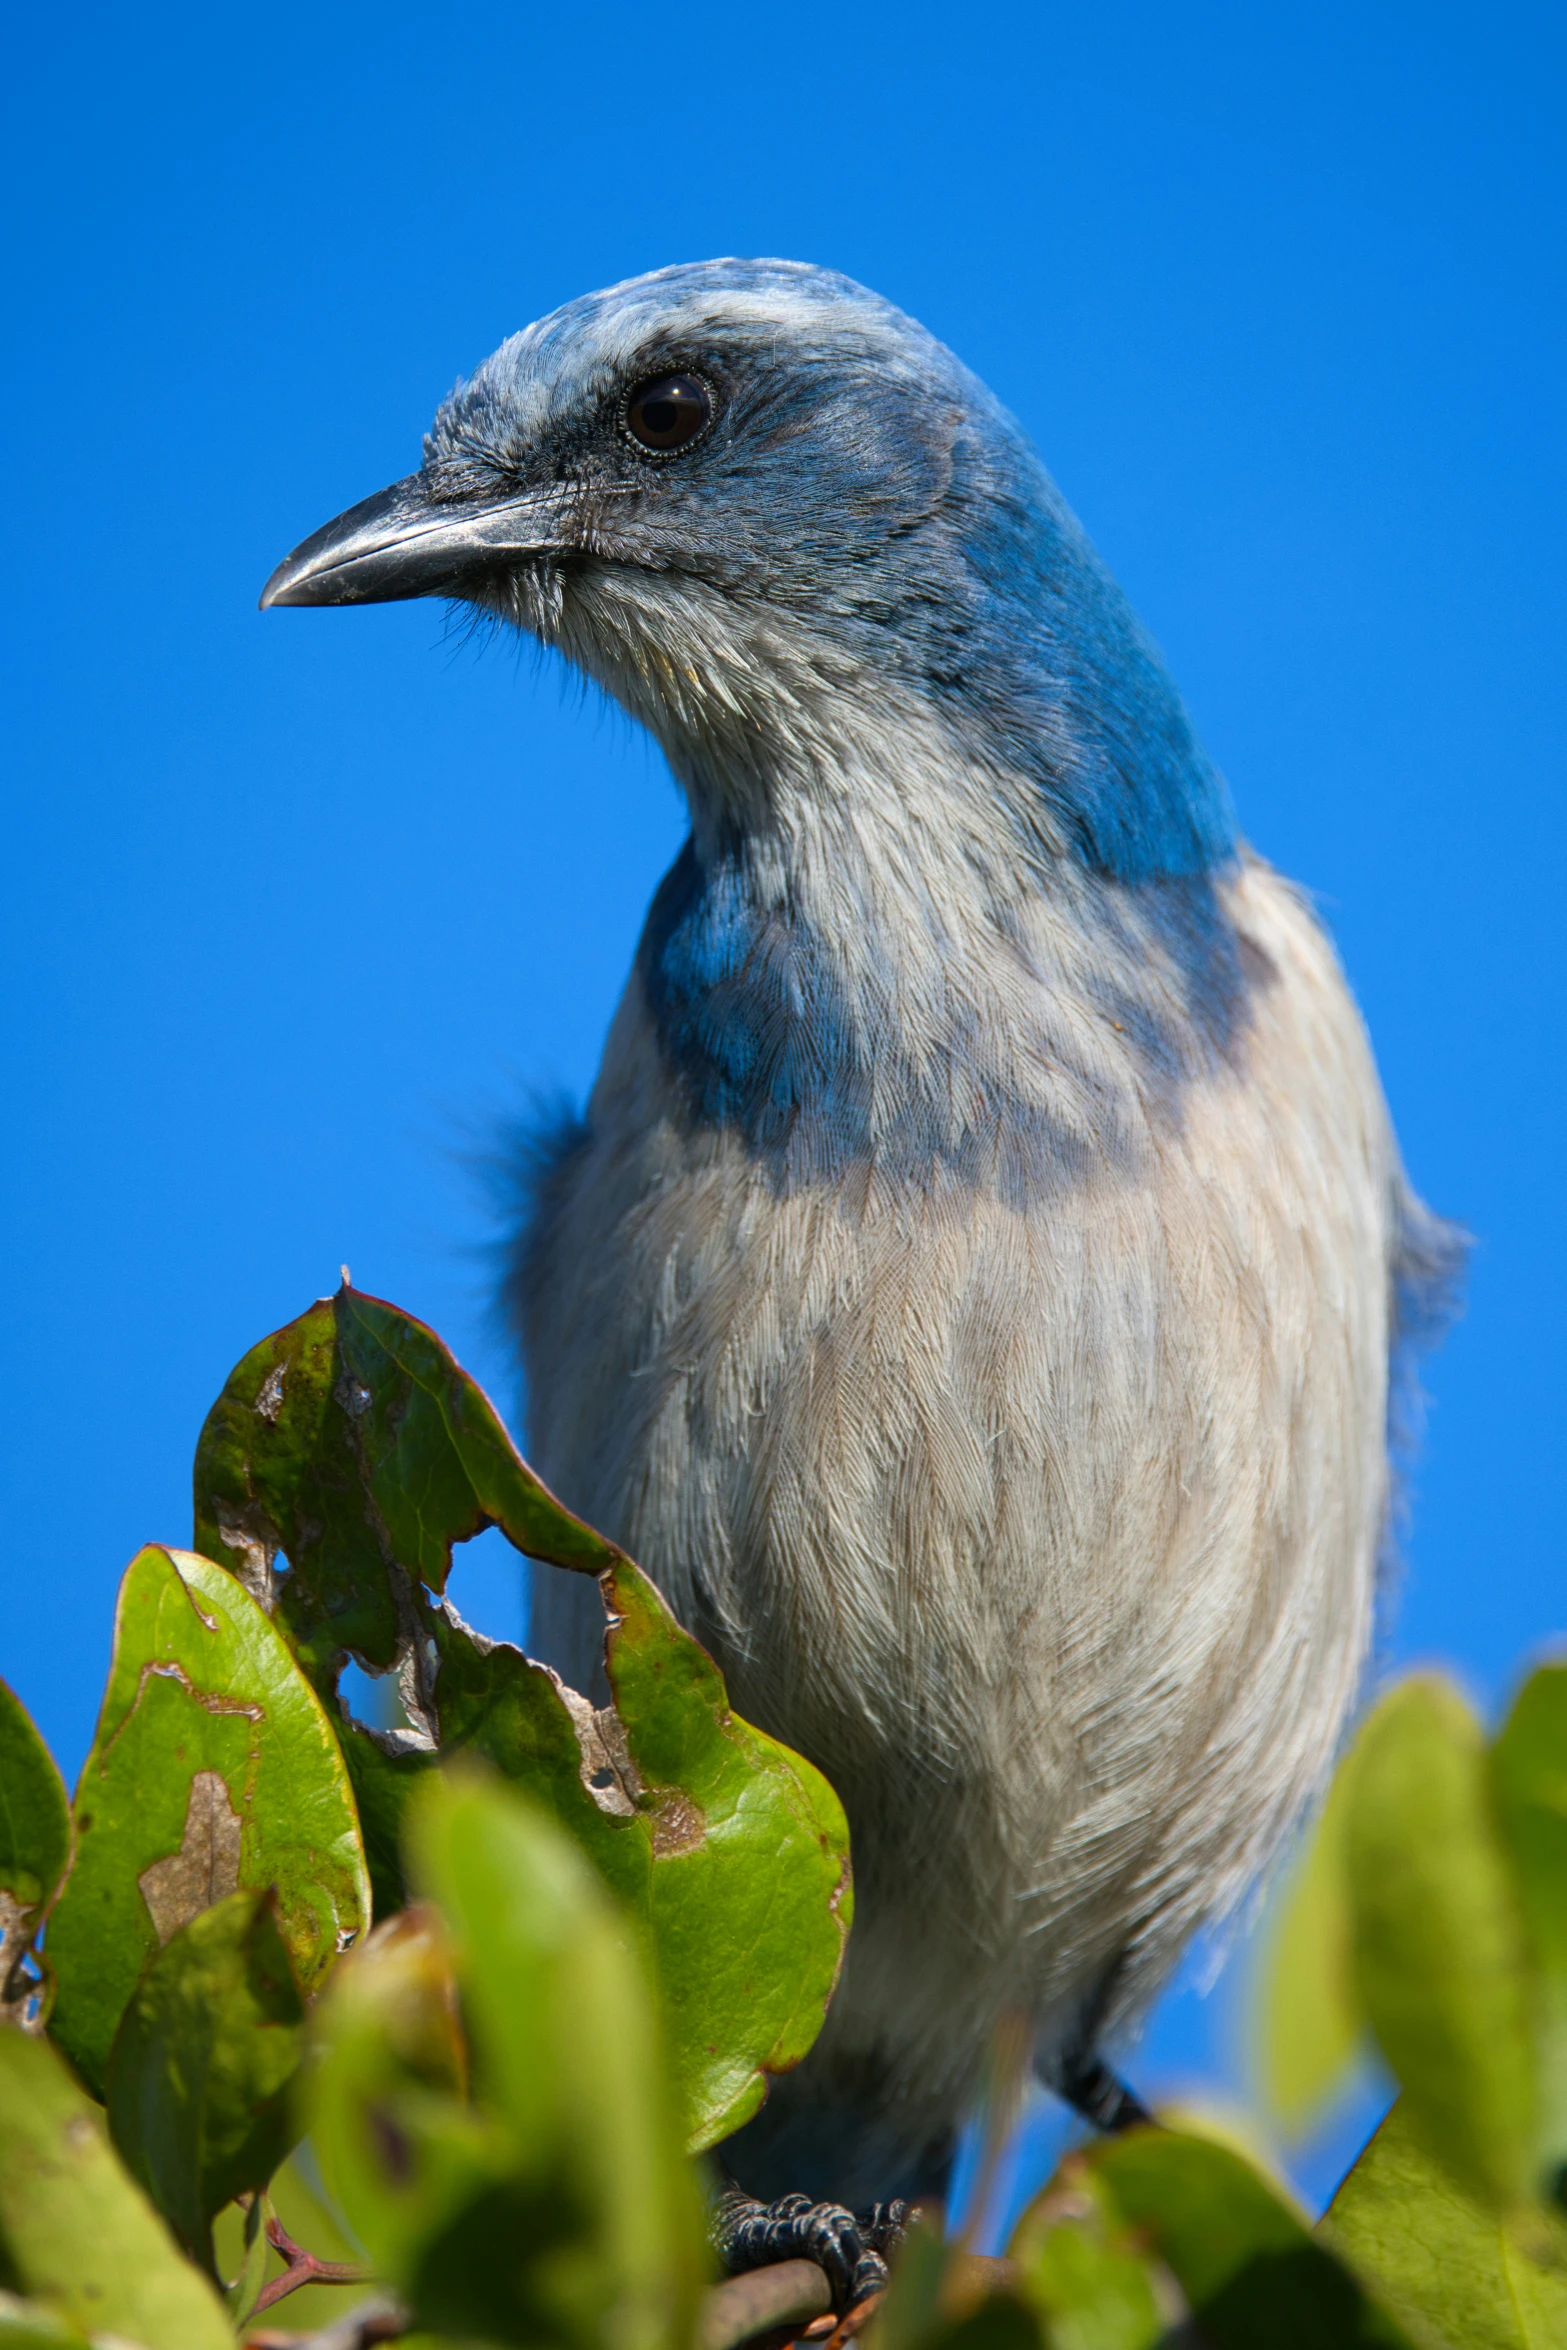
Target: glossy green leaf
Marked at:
199, 2076
1306, 2026
1084, 2271
1441, 1968
213, 1769
750, 1895
732, 1851
276, 1470
75, 2233
382, 1775
1442, 2259
1529, 1778
494, 1702
35, 1850
1248, 2265
353, 1443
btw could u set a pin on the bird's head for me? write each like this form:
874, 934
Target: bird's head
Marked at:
775, 518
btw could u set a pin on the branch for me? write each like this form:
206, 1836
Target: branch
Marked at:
303, 2269
789, 2293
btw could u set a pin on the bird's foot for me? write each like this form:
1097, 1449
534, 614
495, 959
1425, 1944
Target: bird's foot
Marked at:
1094, 2091
849, 2247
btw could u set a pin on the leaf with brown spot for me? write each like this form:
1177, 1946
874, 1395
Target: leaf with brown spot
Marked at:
206, 1867
202, 1688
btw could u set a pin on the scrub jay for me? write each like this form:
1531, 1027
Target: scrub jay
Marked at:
978, 1284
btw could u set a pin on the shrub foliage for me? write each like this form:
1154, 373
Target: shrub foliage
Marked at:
439, 2022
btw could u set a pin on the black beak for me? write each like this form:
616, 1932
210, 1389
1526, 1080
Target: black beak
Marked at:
403, 542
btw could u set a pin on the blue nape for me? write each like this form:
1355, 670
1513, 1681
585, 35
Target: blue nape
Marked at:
1045, 670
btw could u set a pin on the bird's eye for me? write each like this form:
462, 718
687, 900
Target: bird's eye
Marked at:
669, 412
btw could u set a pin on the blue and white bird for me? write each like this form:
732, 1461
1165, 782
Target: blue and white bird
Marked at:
977, 1287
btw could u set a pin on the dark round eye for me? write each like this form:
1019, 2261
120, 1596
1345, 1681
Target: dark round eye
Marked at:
669, 412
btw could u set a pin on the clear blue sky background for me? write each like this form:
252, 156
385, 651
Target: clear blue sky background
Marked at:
298, 907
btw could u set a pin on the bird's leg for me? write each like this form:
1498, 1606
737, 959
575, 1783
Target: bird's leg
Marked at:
849, 2248
1079, 2074
1098, 2094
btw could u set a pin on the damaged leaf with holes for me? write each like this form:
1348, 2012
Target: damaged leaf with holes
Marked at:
354, 1446
352, 1443
213, 1769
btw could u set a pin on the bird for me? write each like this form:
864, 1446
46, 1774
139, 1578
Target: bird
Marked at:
982, 1286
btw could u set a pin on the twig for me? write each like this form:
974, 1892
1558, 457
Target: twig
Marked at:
303, 2269
789, 2293
853, 2320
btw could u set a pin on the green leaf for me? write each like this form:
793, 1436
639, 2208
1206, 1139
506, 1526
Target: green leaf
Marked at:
567, 2047
1247, 2264
403, 2151
213, 1769
750, 1895
731, 1851
1529, 1778
1083, 2270
355, 1444
35, 1851
554, 2205
202, 2062
492, 1701
277, 1469
256, 2256
1440, 1963
1442, 2259
75, 2233
1000, 2322
1305, 2025
382, 1779
941, 2298
27, 2325
351, 1442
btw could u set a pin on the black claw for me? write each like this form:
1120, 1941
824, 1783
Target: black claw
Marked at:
884, 2226
747, 2234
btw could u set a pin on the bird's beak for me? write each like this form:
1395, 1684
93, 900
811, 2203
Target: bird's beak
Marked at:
405, 542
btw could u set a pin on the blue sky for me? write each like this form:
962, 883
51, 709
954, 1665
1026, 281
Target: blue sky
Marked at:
300, 907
